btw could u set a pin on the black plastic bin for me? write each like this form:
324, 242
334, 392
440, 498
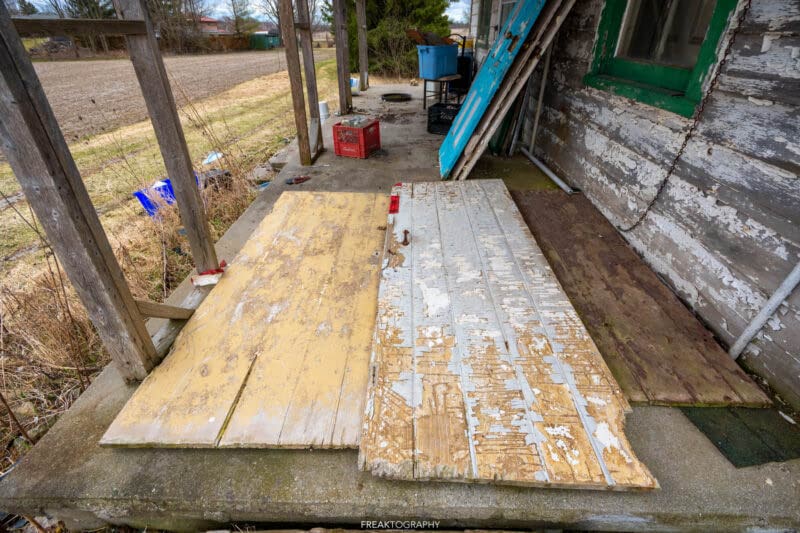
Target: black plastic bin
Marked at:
441, 116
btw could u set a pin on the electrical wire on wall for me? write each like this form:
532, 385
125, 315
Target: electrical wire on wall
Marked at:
695, 120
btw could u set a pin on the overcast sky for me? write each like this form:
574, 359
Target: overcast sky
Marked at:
456, 11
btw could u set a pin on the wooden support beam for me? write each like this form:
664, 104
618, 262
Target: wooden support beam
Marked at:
307, 47
152, 75
295, 79
43, 164
342, 56
157, 310
61, 27
363, 56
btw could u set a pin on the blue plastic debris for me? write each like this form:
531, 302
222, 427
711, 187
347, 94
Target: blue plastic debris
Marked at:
211, 157
153, 197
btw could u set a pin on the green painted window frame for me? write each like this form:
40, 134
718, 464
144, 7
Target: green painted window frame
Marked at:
675, 89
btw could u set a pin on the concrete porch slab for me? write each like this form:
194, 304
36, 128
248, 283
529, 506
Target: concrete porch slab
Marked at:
70, 476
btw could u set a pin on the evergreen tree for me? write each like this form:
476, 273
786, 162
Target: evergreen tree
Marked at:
26, 8
391, 52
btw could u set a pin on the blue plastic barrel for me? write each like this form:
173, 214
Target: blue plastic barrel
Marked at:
437, 61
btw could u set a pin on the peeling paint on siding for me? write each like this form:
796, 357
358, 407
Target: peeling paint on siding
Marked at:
727, 228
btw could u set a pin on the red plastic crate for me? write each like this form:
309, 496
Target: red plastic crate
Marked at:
358, 142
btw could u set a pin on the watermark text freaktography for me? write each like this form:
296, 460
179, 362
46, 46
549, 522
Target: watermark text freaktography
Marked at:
400, 524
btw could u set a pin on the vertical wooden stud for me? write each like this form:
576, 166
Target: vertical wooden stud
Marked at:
342, 56
152, 75
295, 79
43, 164
363, 57
307, 45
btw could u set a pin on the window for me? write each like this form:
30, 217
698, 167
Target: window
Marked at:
485, 33
506, 7
484, 22
658, 51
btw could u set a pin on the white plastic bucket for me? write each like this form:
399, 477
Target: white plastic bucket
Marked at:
355, 86
324, 112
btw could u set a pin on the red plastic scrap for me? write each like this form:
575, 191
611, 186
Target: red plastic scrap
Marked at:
219, 270
394, 204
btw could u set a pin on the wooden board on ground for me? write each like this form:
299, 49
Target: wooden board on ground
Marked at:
481, 369
277, 354
657, 350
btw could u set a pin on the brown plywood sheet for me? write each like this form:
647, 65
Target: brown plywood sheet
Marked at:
657, 350
481, 369
277, 354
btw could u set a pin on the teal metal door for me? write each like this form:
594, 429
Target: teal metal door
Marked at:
489, 78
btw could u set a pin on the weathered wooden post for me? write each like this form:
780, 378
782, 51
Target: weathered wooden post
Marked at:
295, 79
43, 164
342, 56
152, 75
304, 24
363, 57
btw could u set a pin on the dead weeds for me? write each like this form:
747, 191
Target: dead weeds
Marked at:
49, 350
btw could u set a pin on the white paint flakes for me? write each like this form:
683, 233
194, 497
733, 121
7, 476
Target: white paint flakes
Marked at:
792, 147
435, 299
759, 101
494, 296
766, 42
595, 400
274, 310
609, 440
409, 387
775, 323
237, 313
324, 329
468, 275
569, 452
561, 431
498, 429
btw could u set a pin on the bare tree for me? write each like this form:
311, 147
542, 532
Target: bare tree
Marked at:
11, 5
270, 8
56, 7
313, 13
178, 22
241, 16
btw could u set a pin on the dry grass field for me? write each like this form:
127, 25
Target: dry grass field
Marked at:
248, 120
92, 97
49, 351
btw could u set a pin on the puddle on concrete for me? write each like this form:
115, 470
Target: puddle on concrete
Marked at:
517, 172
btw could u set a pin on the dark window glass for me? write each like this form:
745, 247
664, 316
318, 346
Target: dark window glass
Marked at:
665, 32
484, 22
